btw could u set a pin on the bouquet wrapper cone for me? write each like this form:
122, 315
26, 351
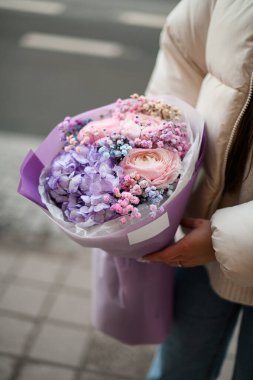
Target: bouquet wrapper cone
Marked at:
132, 301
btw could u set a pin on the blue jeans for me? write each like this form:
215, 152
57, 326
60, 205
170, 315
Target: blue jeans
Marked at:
202, 328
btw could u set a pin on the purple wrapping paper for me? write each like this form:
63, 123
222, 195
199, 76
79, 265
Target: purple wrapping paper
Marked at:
132, 301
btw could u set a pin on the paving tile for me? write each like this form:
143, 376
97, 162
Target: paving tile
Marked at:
23, 299
60, 345
45, 372
233, 344
31, 283
70, 308
110, 356
6, 366
82, 256
13, 334
79, 277
227, 370
87, 375
40, 267
7, 258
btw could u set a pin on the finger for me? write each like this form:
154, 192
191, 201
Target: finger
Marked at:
190, 222
173, 252
175, 262
156, 256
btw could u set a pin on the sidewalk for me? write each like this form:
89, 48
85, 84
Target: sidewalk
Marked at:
45, 330
45, 295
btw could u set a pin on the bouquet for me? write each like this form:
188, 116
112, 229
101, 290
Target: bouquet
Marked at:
118, 178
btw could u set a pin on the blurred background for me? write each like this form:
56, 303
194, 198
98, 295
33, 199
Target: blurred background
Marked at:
60, 58
64, 57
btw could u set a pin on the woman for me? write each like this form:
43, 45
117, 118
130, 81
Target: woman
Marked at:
206, 59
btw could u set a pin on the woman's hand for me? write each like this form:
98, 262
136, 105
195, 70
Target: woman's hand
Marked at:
193, 249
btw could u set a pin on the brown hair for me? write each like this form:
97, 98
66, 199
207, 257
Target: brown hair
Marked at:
241, 149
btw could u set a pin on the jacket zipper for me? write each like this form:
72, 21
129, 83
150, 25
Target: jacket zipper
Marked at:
230, 143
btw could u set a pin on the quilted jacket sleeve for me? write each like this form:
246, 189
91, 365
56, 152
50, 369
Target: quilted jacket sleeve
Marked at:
232, 235
180, 66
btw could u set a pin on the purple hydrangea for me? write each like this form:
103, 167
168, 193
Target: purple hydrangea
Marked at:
80, 182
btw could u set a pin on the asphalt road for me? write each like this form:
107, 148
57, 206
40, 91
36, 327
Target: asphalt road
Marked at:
84, 54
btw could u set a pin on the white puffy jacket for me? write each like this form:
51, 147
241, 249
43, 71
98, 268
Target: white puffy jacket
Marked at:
206, 58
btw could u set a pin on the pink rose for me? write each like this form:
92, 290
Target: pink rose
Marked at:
159, 167
137, 125
133, 126
95, 130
